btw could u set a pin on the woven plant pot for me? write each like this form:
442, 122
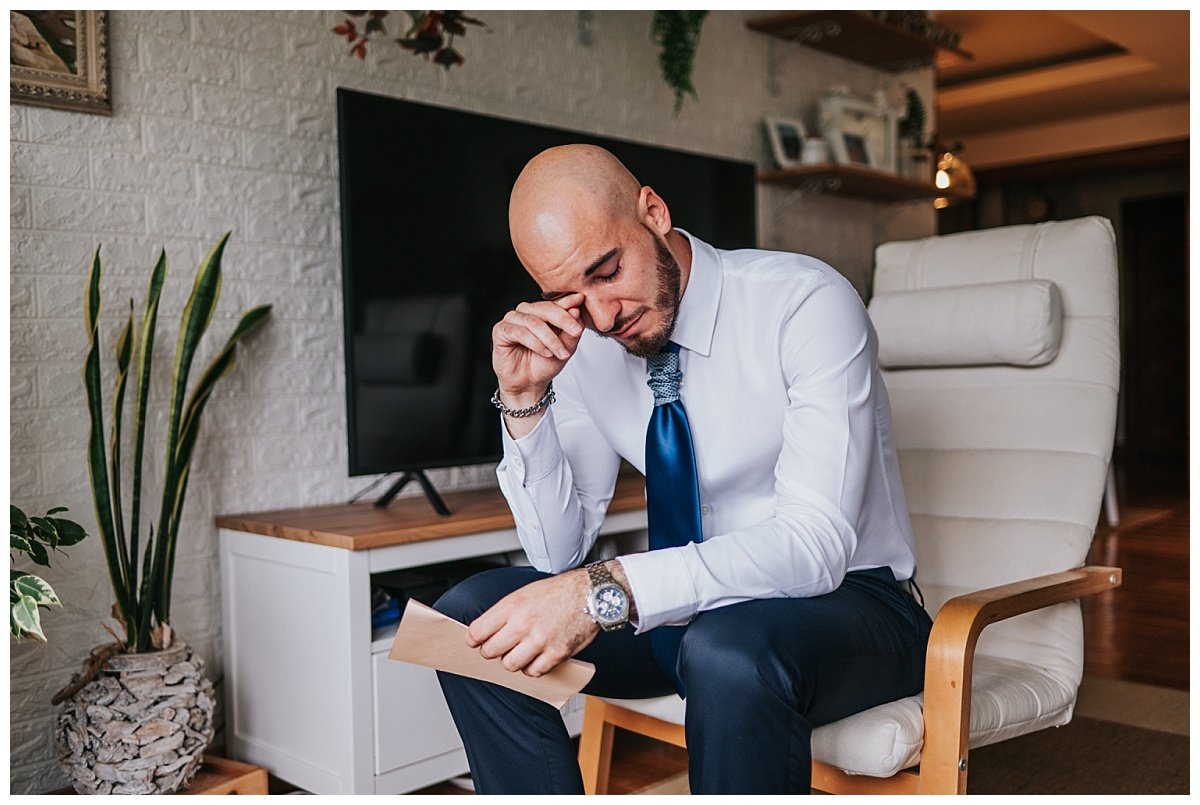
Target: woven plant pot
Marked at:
140, 726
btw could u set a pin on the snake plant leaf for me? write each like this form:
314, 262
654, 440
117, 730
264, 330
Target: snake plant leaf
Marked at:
26, 620
124, 353
220, 365
141, 398
197, 314
96, 458
29, 586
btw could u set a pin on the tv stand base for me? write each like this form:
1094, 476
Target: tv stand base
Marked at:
420, 477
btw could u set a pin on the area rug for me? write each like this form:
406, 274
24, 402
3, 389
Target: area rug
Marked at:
1124, 739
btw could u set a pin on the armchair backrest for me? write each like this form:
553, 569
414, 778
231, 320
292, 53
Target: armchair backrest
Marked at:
1004, 466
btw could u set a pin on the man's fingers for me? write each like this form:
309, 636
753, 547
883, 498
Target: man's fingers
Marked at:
545, 340
554, 314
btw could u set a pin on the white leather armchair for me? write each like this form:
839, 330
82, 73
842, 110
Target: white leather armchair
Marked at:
1000, 353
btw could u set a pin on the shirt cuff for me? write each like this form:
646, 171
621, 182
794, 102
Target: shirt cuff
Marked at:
661, 586
536, 454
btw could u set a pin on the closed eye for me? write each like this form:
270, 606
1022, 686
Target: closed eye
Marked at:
610, 276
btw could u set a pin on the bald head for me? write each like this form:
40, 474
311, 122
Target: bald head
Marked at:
562, 192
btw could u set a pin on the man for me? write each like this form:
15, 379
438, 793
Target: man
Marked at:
788, 497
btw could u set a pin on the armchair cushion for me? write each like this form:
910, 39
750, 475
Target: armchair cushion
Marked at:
1017, 322
1008, 699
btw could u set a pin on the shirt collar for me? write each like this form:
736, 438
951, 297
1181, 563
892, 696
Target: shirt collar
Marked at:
698, 309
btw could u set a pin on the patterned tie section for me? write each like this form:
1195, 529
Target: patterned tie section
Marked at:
665, 376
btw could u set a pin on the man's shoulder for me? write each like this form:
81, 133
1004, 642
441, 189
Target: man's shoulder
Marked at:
778, 275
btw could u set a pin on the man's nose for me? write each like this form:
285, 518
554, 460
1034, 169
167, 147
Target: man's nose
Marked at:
603, 313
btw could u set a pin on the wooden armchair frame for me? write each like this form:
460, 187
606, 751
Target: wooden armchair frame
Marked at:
947, 710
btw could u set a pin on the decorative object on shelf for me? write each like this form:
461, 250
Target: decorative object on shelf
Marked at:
35, 537
954, 176
168, 706
787, 139
678, 35
140, 726
859, 132
915, 154
60, 59
816, 151
431, 34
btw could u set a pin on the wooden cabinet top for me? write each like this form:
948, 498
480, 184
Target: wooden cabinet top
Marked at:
359, 526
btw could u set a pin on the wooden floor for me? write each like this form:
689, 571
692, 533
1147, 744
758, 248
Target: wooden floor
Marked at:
1137, 633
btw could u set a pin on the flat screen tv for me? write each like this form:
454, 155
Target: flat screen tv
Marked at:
428, 267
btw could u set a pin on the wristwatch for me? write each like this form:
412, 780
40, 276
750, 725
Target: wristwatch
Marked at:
607, 602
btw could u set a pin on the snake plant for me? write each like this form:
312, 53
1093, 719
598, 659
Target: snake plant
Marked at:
142, 577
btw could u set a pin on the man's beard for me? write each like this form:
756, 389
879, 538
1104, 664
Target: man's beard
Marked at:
666, 302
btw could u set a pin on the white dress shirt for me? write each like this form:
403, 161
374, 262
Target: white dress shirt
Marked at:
792, 432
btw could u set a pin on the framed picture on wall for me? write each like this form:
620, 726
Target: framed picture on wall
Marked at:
60, 59
858, 133
787, 140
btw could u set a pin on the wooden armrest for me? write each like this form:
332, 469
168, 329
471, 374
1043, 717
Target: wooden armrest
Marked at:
951, 656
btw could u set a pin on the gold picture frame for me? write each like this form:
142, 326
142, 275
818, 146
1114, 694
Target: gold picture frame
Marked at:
60, 59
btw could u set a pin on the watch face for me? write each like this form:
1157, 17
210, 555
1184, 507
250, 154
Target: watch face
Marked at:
609, 603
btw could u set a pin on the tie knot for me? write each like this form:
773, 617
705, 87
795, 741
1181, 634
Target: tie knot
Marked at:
665, 375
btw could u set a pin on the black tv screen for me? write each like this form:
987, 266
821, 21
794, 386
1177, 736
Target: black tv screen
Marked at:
428, 266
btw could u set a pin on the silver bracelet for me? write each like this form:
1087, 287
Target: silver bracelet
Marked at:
519, 413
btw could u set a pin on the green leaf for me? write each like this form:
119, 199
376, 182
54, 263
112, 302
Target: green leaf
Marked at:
45, 531
19, 543
141, 397
69, 532
124, 355
37, 552
29, 586
97, 460
13, 626
18, 522
250, 321
56, 510
197, 314
25, 616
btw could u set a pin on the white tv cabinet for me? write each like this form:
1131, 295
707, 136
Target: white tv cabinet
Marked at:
310, 693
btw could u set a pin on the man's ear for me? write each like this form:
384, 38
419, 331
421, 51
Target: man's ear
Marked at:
653, 212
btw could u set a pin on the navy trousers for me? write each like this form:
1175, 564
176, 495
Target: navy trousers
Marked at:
759, 675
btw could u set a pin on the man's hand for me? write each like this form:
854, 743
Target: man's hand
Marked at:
537, 627
532, 344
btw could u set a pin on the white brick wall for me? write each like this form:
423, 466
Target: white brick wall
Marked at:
226, 121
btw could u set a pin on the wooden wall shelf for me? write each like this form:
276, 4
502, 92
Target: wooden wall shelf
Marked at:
850, 180
854, 35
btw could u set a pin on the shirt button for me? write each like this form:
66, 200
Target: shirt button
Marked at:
705, 510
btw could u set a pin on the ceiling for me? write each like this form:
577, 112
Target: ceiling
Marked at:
1072, 76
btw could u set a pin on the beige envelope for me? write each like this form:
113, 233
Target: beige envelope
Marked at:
429, 638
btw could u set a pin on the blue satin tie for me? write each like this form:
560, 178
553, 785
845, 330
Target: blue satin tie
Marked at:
672, 491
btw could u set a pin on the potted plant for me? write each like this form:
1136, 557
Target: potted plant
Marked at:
36, 537
139, 715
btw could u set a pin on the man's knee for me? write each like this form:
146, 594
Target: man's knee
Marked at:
471, 597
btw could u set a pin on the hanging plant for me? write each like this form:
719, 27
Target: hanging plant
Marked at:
678, 34
431, 34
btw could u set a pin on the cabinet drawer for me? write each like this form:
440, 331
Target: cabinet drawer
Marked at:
412, 722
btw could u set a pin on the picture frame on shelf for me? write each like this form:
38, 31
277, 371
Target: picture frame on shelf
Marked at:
859, 133
787, 138
60, 59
